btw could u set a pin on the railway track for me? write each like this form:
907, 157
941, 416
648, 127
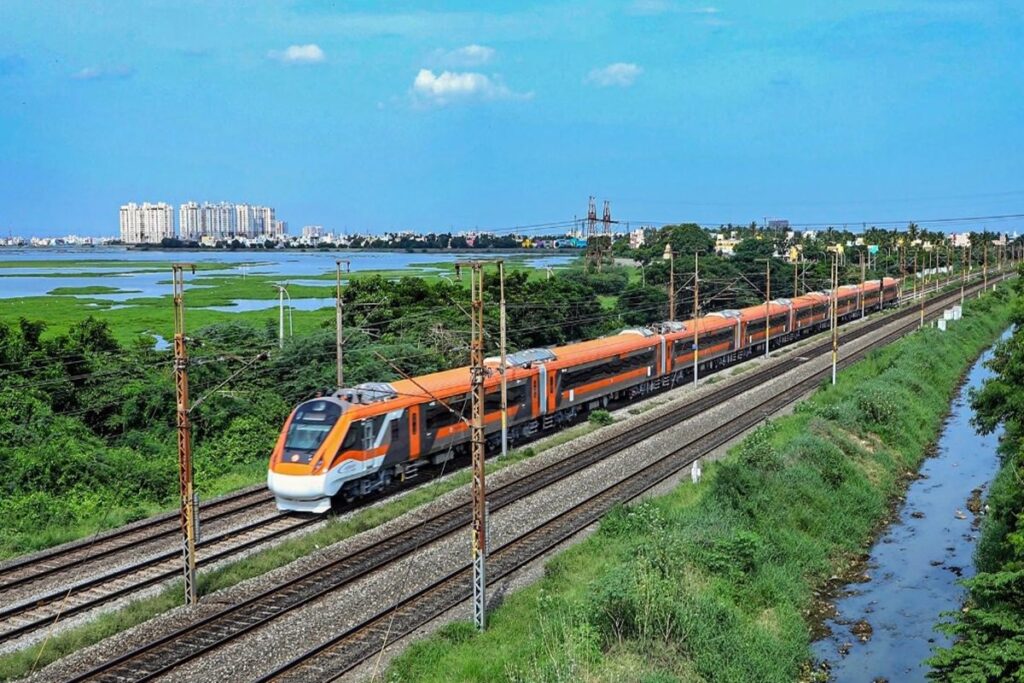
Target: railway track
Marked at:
341, 654
205, 635
35, 611
63, 558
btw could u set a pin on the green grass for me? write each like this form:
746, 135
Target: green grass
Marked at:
22, 662
714, 582
91, 289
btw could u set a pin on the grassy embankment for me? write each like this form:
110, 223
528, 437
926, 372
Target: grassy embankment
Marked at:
23, 662
716, 582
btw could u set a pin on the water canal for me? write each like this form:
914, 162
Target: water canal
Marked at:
884, 628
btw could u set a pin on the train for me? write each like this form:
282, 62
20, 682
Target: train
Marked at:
358, 440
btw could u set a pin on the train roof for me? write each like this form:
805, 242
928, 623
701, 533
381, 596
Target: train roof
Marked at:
757, 312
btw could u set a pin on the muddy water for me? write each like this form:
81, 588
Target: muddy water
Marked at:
884, 628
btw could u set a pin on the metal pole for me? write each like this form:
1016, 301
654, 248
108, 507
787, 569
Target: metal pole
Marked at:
984, 267
340, 321
188, 510
963, 275
504, 357
835, 315
796, 268
915, 274
479, 493
767, 307
280, 324
671, 285
863, 275
696, 313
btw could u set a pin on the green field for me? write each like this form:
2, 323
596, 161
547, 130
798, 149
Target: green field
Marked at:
148, 315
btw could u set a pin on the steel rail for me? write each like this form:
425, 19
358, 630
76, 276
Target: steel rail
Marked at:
66, 556
339, 655
61, 603
176, 648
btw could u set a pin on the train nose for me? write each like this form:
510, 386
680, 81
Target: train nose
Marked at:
299, 492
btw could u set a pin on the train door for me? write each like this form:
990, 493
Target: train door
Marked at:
414, 432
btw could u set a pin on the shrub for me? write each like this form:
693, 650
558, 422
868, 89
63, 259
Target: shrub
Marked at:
601, 418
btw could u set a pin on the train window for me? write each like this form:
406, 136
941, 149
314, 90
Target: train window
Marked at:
355, 430
715, 339
681, 346
610, 367
312, 423
517, 395
394, 430
439, 415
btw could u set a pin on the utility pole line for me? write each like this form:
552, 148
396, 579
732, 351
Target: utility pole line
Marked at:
796, 270
696, 314
477, 372
504, 358
835, 315
767, 304
185, 471
963, 275
670, 256
863, 276
340, 320
985, 265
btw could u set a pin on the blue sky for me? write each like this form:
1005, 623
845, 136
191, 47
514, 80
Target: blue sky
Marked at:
361, 115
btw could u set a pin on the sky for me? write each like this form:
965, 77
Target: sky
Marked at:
376, 116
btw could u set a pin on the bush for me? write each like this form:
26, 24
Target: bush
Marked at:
601, 418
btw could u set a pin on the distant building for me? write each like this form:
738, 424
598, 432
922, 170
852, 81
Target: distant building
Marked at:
313, 231
960, 239
226, 221
146, 223
636, 238
778, 224
190, 225
725, 244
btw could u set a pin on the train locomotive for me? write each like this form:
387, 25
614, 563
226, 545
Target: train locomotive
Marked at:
360, 439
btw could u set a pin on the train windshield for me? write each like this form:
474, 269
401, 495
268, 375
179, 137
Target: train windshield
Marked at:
312, 423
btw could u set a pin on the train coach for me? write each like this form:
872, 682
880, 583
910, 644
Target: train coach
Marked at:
360, 439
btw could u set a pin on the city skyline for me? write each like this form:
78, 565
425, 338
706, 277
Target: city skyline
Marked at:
152, 222
386, 119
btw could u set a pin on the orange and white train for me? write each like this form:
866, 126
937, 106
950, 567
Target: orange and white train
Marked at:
360, 439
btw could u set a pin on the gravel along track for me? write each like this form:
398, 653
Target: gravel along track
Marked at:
272, 610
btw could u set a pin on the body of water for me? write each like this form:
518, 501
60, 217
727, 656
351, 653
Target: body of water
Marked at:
885, 627
26, 281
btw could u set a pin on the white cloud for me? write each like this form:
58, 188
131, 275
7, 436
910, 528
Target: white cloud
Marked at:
620, 74
469, 55
97, 73
453, 86
299, 54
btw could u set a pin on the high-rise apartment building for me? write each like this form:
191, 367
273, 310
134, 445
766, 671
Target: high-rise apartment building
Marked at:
190, 225
227, 221
219, 221
146, 223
